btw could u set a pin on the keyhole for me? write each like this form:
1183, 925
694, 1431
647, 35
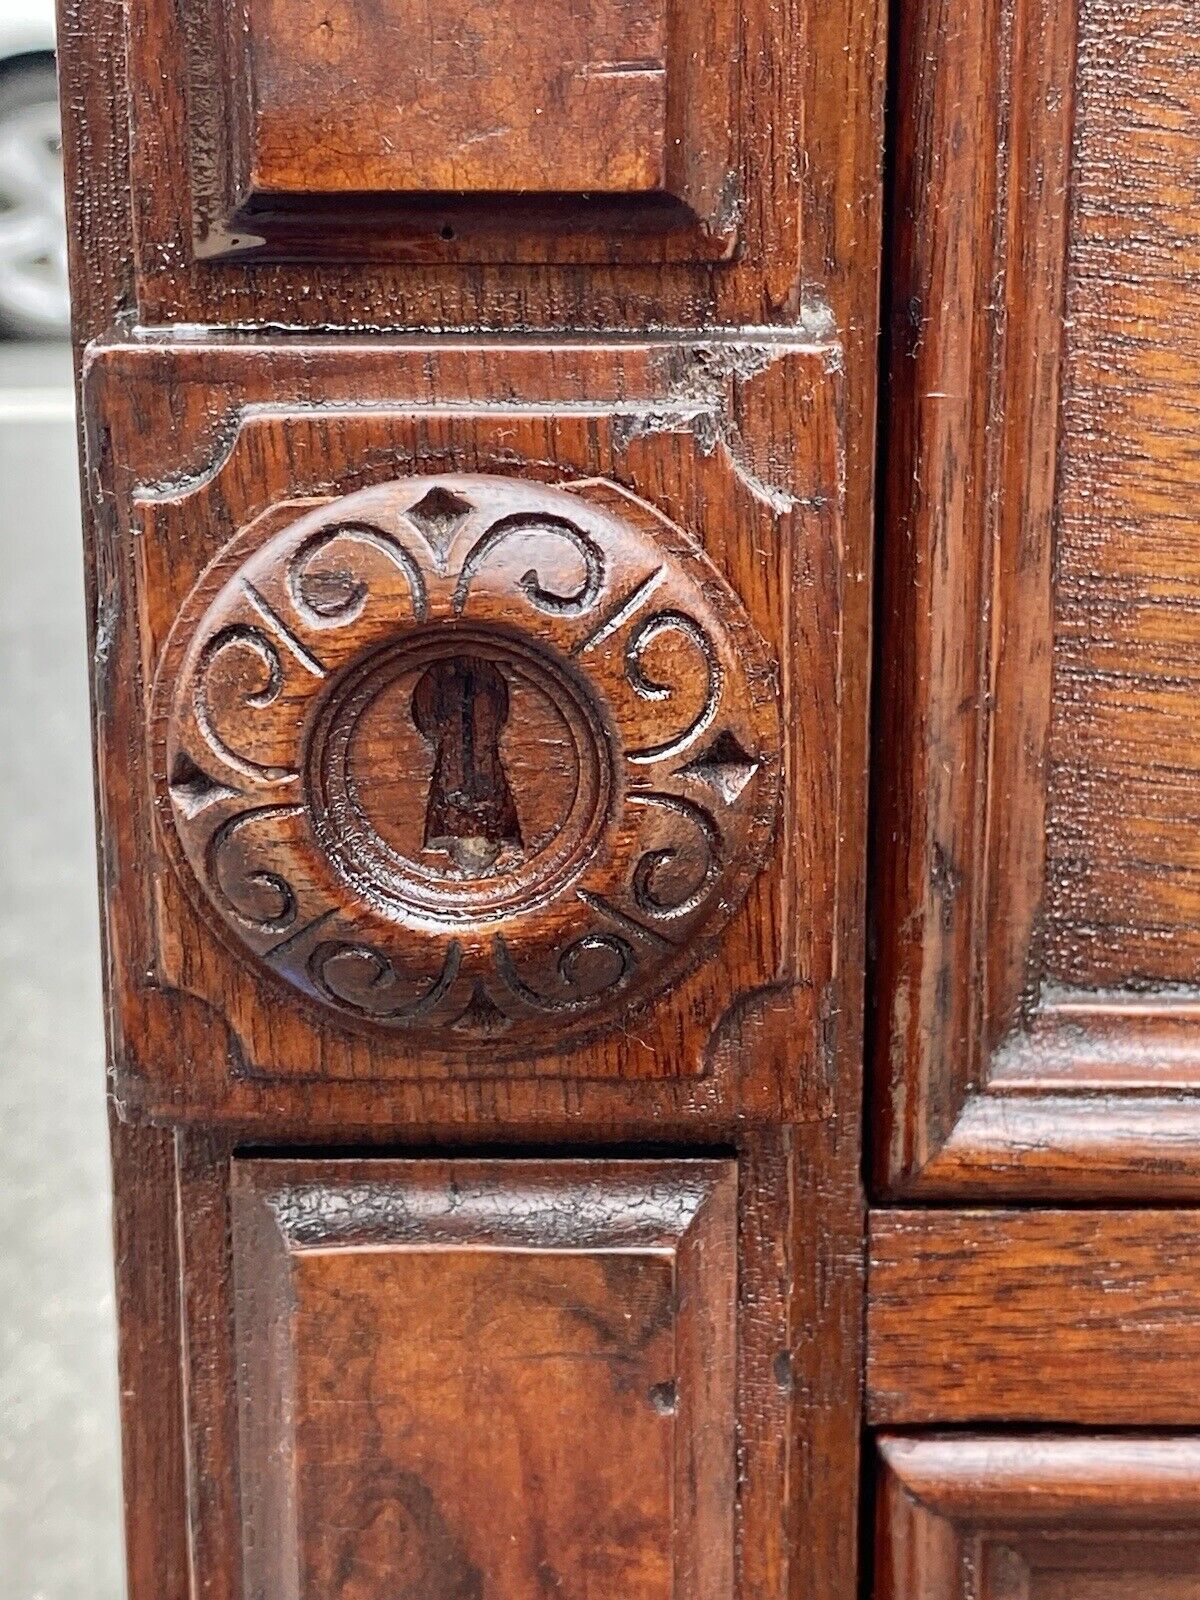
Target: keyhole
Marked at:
460, 707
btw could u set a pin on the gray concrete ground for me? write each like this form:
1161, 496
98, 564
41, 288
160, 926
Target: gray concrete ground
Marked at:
59, 1470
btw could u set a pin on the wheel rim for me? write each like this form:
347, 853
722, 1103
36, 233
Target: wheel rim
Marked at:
33, 243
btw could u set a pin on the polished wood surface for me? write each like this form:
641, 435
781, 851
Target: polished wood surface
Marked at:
479, 440
1035, 1021
1123, 861
682, 194
512, 340
1041, 1516
971, 406
471, 759
535, 1362
553, 95
555, 130
744, 1035
790, 1441
1082, 1317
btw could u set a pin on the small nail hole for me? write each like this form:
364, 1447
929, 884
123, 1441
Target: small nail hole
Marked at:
662, 1398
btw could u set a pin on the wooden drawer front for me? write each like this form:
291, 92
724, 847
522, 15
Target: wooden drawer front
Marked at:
1055, 1317
446, 738
1038, 1517
486, 1378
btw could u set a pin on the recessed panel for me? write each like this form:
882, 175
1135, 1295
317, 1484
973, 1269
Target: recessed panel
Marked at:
1038, 1517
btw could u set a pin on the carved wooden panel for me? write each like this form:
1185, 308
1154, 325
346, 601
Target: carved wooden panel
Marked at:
555, 337
1036, 1028
1073, 1317
473, 741
469, 755
1039, 1517
467, 1379
522, 130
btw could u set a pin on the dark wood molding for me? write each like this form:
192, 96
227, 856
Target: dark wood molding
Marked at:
708, 346
977, 293
992, 1517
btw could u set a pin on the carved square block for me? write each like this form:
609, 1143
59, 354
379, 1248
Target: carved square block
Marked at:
469, 742
521, 130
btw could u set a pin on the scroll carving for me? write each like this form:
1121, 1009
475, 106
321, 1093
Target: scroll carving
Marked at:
469, 757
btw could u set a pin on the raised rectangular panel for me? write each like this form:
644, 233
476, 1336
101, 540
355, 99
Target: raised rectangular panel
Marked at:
527, 130
520, 96
476, 1378
637, 1374
1038, 1517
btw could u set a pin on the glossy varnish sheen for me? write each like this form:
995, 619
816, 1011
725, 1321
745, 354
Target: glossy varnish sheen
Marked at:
1035, 1016
573, 319
479, 555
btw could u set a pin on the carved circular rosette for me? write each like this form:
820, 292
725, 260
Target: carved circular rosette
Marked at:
471, 757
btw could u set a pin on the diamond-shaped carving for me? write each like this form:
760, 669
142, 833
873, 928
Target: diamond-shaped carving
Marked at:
193, 789
438, 515
725, 766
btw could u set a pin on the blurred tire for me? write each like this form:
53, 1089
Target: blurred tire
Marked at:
34, 301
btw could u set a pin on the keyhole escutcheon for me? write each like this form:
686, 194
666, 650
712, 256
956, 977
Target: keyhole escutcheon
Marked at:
460, 707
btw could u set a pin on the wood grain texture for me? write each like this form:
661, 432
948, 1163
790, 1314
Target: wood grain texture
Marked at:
733, 127
1123, 855
791, 1110
152, 1406
1038, 412
707, 447
809, 232
511, 97
794, 1371
473, 1378
545, 131
1082, 1317
1040, 1517
781, 135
